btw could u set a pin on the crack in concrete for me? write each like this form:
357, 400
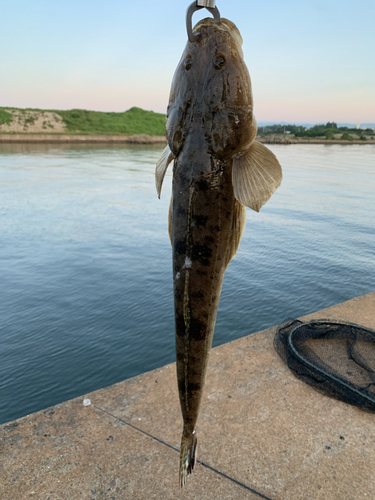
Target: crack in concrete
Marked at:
178, 451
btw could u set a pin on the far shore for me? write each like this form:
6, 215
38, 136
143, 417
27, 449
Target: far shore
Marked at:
82, 138
145, 139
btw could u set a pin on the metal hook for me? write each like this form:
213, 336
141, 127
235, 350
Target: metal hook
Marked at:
197, 5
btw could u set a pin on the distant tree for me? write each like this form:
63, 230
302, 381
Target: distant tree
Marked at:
346, 137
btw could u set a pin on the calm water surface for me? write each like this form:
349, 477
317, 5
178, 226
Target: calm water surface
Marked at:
85, 261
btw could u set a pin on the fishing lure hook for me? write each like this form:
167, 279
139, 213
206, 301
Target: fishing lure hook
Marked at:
197, 5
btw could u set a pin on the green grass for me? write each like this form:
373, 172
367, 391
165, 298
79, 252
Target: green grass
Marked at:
5, 117
30, 120
133, 121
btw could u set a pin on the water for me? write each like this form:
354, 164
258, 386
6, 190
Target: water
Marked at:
85, 261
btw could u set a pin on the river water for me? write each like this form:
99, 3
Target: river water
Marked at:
85, 261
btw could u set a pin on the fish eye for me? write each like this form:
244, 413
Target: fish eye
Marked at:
219, 61
188, 62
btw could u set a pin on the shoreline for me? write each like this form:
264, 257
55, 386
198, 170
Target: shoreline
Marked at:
81, 138
144, 139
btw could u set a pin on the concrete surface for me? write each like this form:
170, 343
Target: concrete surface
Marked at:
258, 425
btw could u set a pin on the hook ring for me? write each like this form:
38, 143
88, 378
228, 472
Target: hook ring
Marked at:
193, 8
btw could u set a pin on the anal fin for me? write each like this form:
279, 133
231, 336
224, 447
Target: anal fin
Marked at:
238, 227
170, 221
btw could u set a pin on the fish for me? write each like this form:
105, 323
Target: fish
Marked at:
219, 169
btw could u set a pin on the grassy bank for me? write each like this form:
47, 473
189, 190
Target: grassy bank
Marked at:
137, 121
81, 121
133, 121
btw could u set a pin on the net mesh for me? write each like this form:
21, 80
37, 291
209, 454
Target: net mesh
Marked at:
337, 359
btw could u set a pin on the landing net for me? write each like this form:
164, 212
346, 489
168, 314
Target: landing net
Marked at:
337, 359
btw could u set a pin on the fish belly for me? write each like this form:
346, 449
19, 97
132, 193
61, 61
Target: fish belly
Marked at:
203, 209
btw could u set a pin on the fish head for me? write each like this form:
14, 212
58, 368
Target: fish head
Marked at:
211, 98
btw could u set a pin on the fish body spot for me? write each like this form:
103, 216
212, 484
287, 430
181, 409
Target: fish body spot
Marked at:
198, 329
200, 272
180, 247
203, 185
187, 264
202, 253
201, 220
181, 211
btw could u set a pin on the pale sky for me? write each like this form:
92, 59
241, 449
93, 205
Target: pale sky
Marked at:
310, 61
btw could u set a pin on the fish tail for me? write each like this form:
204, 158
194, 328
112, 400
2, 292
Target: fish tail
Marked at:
188, 455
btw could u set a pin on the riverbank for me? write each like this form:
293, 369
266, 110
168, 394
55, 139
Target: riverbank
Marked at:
138, 126
82, 138
145, 139
81, 121
287, 140
262, 434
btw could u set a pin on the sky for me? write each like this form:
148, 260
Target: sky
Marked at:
310, 61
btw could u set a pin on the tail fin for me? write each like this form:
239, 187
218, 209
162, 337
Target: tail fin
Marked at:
188, 455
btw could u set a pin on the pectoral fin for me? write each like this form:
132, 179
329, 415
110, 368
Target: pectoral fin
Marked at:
256, 175
161, 168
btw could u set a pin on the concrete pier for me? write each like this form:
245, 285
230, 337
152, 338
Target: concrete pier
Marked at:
262, 433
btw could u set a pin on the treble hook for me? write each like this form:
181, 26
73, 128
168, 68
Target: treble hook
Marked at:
197, 5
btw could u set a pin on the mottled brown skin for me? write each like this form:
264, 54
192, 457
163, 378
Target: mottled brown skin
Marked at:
203, 218
210, 118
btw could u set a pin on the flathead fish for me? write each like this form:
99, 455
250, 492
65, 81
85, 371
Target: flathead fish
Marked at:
219, 169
